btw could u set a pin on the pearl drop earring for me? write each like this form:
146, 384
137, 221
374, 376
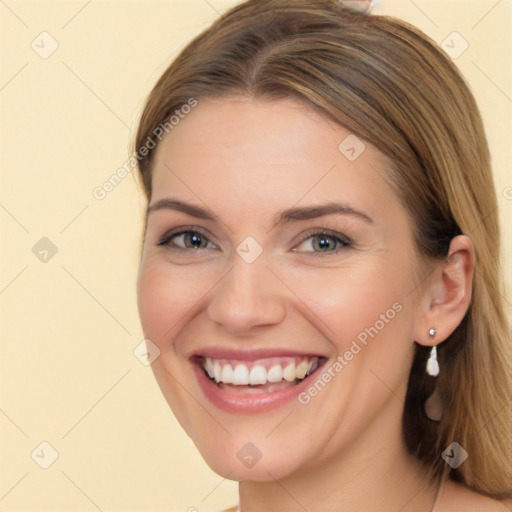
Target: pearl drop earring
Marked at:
432, 363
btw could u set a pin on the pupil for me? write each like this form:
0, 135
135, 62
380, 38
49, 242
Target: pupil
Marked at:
195, 241
324, 243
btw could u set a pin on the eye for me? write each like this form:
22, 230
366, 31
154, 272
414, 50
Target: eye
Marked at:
316, 242
323, 242
186, 239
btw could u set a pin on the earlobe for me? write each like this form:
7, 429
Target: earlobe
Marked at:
448, 293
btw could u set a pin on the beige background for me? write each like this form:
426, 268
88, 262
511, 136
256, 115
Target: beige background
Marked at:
68, 375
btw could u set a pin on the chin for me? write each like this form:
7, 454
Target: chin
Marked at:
239, 461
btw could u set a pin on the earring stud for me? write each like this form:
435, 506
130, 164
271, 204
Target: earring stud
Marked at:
432, 332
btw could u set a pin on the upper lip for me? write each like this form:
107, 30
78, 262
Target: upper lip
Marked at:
250, 354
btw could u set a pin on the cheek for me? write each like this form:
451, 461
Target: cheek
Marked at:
355, 302
366, 315
166, 295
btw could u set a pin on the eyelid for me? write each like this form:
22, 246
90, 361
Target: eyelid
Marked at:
322, 231
181, 230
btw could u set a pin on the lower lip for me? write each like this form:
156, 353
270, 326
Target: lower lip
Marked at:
249, 403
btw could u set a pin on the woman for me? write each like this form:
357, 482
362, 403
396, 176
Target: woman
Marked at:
320, 264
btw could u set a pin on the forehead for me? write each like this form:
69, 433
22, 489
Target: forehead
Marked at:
241, 154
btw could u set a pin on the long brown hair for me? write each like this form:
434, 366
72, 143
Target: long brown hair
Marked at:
392, 86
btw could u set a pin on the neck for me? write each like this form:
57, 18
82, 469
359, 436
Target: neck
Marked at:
374, 473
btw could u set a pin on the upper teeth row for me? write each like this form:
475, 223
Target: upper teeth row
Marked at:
240, 375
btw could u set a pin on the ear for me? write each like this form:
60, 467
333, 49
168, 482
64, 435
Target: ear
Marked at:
447, 293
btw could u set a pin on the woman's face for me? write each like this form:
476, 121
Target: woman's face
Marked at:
277, 254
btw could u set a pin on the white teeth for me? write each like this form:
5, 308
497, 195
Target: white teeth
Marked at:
275, 374
227, 374
217, 370
313, 365
289, 372
301, 369
209, 367
258, 375
243, 374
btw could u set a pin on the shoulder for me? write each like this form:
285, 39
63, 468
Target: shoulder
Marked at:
455, 497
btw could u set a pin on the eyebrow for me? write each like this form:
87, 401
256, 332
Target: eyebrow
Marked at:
190, 209
288, 215
313, 212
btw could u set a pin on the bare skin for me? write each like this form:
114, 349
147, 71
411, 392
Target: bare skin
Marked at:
246, 161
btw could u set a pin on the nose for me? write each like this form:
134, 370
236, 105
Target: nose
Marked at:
248, 296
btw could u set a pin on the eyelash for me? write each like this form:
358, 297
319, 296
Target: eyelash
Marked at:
344, 241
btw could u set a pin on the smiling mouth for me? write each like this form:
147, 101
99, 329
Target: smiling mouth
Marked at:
259, 376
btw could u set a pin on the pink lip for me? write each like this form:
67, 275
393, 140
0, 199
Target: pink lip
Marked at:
249, 403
